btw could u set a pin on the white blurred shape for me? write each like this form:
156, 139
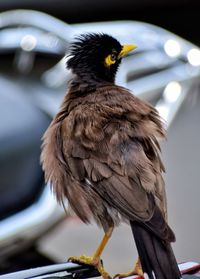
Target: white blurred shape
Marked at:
28, 42
172, 48
172, 91
163, 111
193, 56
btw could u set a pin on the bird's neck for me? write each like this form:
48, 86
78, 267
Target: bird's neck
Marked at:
86, 83
94, 74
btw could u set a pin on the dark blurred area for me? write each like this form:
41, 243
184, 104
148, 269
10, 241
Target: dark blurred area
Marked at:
177, 16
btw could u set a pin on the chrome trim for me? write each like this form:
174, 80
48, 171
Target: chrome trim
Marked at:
38, 20
62, 270
33, 220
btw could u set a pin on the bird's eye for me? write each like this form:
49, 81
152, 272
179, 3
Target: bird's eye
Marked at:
113, 56
111, 59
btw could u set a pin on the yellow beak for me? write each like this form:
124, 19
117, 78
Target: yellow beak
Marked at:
126, 49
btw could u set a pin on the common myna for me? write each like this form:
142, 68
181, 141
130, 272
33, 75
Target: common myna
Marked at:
102, 153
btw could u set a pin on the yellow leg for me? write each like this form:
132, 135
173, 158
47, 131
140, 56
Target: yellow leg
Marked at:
137, 270
103, 243
95, 259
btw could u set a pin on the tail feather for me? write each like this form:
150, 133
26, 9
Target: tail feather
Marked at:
156, 256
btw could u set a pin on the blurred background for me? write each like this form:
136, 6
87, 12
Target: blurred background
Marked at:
165, 70
177, 16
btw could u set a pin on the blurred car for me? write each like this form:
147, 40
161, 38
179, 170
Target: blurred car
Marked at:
180, 16
164, 70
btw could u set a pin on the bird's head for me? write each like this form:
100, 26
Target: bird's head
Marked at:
97, 56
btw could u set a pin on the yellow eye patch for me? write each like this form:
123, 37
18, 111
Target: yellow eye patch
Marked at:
110, 59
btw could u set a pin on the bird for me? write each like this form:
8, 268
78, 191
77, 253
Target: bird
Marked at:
102, 153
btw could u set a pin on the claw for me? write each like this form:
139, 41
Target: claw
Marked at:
83, 259
96, 262
136, 271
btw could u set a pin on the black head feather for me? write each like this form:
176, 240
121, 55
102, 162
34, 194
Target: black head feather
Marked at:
88, 53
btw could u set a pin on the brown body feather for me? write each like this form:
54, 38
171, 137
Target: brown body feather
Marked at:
101, 152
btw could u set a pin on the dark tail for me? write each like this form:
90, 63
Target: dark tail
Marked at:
156, 256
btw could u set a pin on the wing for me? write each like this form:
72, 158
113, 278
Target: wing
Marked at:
109, 149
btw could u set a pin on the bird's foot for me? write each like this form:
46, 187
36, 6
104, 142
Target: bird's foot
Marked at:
96, 262
136, 271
